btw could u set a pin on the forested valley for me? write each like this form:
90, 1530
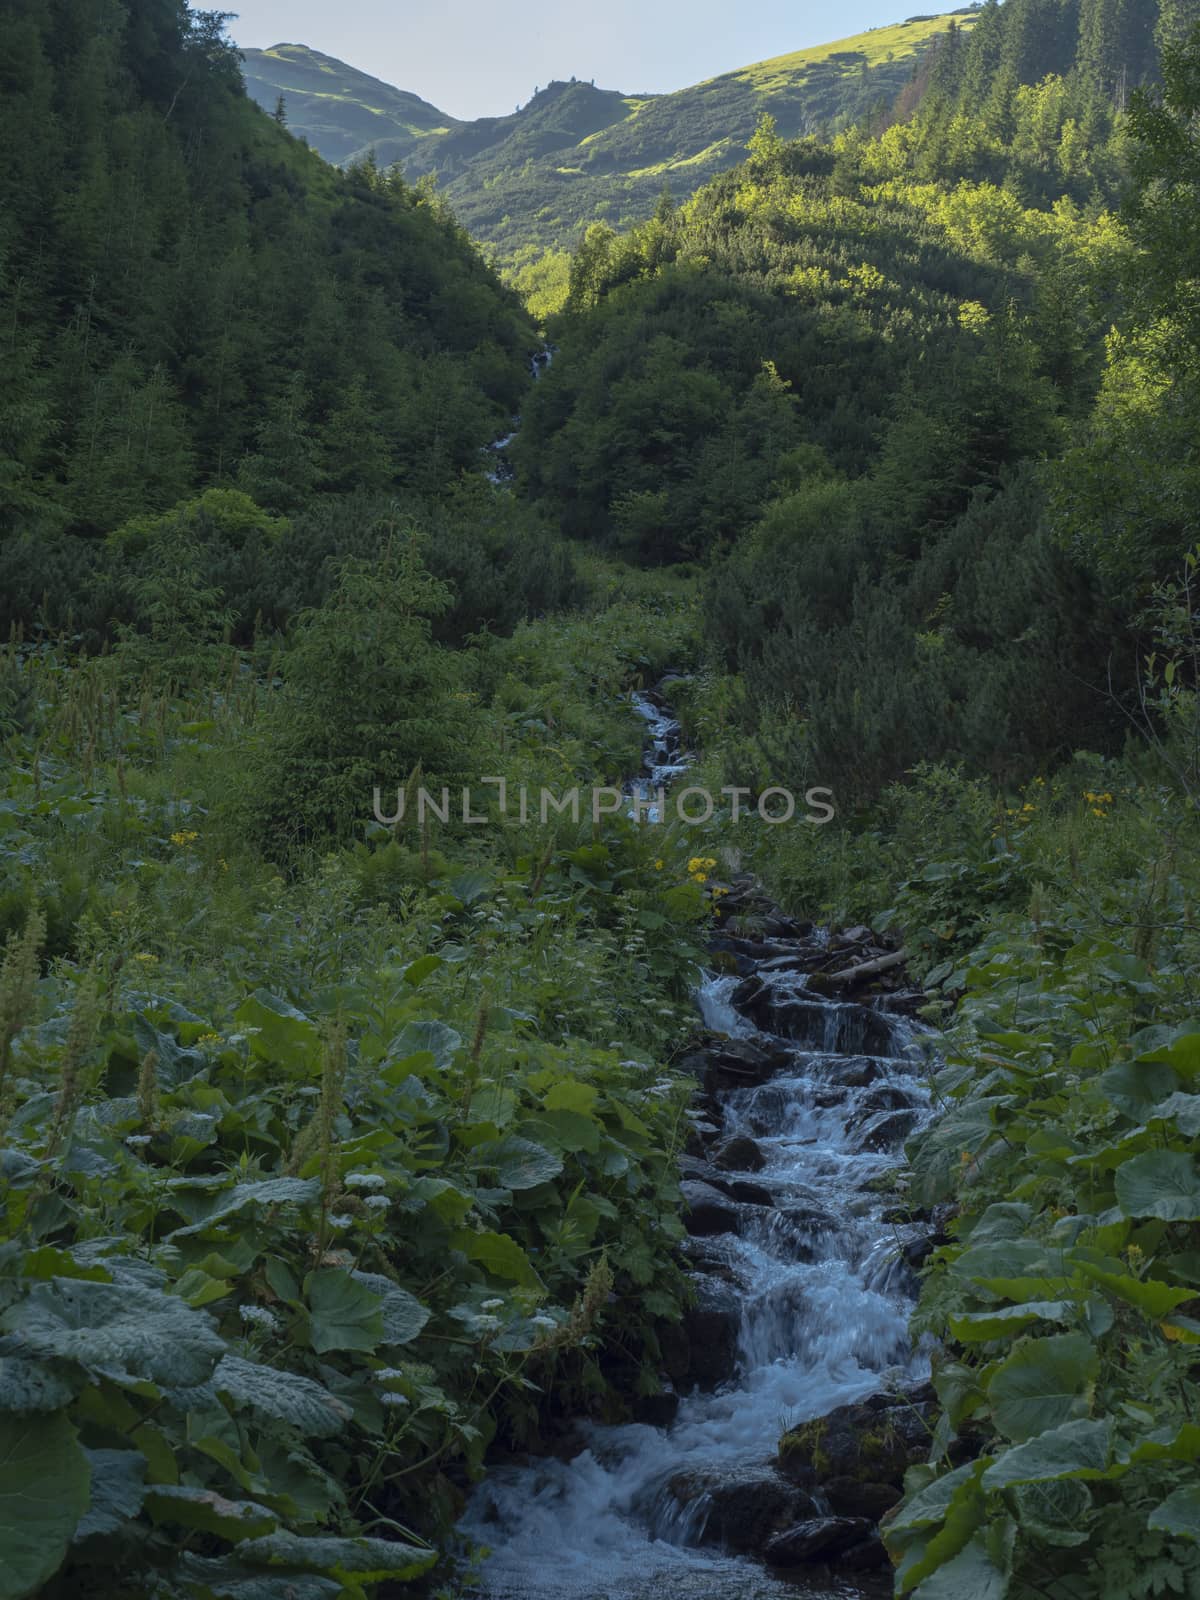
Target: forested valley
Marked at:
601, 1202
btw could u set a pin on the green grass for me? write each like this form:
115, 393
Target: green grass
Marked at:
878, 46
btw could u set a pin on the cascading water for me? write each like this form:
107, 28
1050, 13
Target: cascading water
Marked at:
821, 1297
664, 757
502, 471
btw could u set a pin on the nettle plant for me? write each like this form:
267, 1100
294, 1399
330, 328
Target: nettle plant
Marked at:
1068, 1306
267, 1292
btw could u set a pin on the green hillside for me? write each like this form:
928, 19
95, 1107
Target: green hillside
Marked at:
577, 154
342, 112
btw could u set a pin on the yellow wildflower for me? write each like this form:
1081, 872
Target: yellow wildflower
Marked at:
184, 837
658, 866
146, 958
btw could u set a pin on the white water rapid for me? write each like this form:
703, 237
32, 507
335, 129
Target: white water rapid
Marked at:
823, 1315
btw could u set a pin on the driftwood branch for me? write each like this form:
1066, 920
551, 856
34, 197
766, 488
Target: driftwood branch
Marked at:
849, 976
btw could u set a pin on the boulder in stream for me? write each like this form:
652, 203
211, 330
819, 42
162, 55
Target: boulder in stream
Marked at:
816, 1539
887, 1129
745, 1510
847, 1029
712, 1326
739, 1154
707, 1210
861, 1452
733, 1064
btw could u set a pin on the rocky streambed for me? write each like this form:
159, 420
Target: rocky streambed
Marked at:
793, 1399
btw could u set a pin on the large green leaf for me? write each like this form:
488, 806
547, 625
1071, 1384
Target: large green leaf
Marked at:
1055, 1512
1181, 1443
1161, 1183
232, 1579
207, 1511
43, 1494
928, 1507
569, 1094
1005, 1321
1078, 1449
118, 1489
119, 1329
964, 1514
1002, 1259
403, 1314
1179, 1514
973, 1574
1181, 1109
1043, 1383
1154, 1298
520, 1164
417, 971
363, 1560
343, 1313
936, 1158
284, 1396
278, 1031
174, 1065
565, 1130
500, 1254
1005, 1219
417, 1038
441, 1196
1135, 1086
31, 1386
230, 1202
1181, 1053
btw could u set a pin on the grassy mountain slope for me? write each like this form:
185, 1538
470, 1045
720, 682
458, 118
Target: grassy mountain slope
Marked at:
575, 154
340, 111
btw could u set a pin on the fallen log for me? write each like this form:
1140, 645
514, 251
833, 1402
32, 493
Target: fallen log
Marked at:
849, 977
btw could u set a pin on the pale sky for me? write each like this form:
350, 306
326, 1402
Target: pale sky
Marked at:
478, 58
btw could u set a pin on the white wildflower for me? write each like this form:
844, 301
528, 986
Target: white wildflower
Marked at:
340, 1221
365, 1180
389, 1374
377, 1202
259, 1316
392, 1399
136, 1140
543, 1322
492, 1305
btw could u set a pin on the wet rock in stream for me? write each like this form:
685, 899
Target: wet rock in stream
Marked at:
742, 1512
706, 1209
712, 1326
816, 1539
